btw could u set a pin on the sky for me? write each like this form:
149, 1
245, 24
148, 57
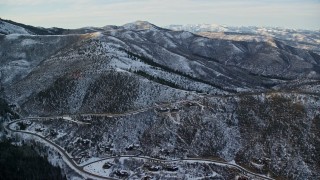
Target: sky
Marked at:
298, 14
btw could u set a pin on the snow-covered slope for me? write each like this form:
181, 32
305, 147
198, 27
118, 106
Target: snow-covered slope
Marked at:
227, 96
7, 28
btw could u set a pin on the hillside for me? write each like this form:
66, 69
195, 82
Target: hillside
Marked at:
118, 90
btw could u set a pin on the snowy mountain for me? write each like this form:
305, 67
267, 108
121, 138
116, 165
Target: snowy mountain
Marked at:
303, 39
195, 28
221, 101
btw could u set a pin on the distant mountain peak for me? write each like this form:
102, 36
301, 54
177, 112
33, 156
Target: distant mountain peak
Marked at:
198, 27
140, 25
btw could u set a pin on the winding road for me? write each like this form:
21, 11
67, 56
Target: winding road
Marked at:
190, 160
132, 112
61, 151
80, 169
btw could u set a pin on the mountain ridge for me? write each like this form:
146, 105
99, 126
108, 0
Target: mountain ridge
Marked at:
170, 94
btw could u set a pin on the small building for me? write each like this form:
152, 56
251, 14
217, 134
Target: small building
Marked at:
163, 109
189, 104
154, 168
171, 168
174, 109
132, 147
121, 173
107, 165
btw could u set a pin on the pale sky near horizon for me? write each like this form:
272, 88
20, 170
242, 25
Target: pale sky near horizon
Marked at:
302, 14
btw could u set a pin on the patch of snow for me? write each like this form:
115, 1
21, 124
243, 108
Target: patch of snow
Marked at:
185, 35
96, 168
236, 49
60, 135
67, 118
12, 36
27, 42
233, 162
259, 166
88, 161
21, 63
169, 43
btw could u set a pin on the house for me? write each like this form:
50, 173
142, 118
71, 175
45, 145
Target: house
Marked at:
154, 168
163, 109
121, 173
174, 109
171, 168
107, 165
